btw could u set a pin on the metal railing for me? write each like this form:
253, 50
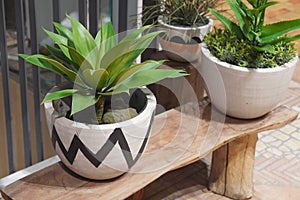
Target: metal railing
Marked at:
89, 15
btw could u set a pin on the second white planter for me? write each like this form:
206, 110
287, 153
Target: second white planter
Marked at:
248, 93
183, 52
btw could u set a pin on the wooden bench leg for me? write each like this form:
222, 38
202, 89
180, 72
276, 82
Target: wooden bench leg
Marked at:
137, 196
232, 168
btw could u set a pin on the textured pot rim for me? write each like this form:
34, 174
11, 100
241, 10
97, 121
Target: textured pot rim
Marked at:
180, 44
146, 112
214, 59
160, 21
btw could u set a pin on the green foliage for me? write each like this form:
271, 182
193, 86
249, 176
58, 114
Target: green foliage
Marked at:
99, 66
180, 12
250, 26
228, 47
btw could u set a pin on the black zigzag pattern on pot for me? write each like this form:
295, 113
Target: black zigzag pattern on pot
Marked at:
96, 159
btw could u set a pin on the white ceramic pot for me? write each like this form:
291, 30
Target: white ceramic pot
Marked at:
249, 93
101, 151
183, 52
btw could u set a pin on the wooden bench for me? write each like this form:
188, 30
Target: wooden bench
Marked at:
180, 137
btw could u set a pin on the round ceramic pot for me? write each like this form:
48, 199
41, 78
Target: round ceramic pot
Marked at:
183, 52
101, 151
249, 93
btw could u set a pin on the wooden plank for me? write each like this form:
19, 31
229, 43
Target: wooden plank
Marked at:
217, 178
232, 168
137, 196
171, 93
178, 139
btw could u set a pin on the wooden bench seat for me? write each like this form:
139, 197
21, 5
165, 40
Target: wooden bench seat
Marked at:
180, 137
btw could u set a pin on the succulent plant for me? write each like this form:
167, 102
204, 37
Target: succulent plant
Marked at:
250, 24
247, 41
180, 12
99, 67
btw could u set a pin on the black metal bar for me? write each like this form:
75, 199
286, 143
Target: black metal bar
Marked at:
6, 91
36, 84
56, 18
23, 82
123, 15
55, 10
93, 17
82, 9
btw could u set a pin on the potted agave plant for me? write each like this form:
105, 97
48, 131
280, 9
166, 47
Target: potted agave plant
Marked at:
186, 23
255, 61
100, 120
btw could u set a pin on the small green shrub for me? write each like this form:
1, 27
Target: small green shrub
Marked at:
227, 47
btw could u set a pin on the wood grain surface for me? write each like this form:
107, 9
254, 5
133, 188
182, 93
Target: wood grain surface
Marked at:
180, 137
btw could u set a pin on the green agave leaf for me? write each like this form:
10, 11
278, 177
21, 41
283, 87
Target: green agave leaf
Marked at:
284, 39
231, 26
107, 40
98, 39
57, 53
135, 34
78, 60
146, 77
67, 72
260, 12
35, 60
54, 66
58, 39
62, 30
114, 53
273, 31
96, 78
126, 60
83, 40
253, 3
149, 64
265, 48
93, 57
241, 17
108, 37
80, 102
59, 95
266, 5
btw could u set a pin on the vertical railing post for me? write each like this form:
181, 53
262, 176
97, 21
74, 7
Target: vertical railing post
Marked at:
23, 82
93, 17
36, 84
56, 18
82, 10
6, 91
123, 15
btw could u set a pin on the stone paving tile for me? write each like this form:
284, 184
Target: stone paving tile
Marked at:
288, 129
268, 139
296, 123
296, 134
280, 135
293, 144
